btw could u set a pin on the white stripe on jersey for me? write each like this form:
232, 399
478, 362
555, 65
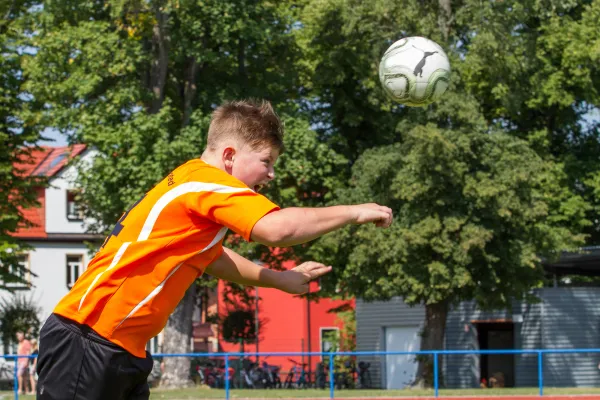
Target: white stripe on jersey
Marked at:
159, 206
114, 262
184, 188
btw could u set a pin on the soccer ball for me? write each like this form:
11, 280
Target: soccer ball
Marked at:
414, 71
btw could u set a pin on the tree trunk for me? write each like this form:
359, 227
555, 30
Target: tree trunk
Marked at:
5, 24
189, 90
241, 56
432, 338
445, 18
177, 339
160, 48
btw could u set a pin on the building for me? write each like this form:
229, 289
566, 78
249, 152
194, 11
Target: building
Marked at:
564, 318
57, 235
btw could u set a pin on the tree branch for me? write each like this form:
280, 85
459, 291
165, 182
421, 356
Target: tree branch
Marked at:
445, 17
189, 90
242, 63
158, 74
5, 21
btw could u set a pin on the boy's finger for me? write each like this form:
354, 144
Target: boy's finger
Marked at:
312, 265
316, 272
320, 271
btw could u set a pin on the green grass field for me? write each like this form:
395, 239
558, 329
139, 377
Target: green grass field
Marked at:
314, 393
200, 393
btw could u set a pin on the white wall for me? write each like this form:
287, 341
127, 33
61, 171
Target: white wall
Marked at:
56, 199
49, 262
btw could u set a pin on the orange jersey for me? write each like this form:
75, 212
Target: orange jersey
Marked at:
156, 251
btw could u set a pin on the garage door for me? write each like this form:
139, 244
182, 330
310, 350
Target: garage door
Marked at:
401, 369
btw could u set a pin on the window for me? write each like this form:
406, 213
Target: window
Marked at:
23, 272
329, 339
74, 269
152, 345
74, 211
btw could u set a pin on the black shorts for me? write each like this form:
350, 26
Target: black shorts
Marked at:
76, 363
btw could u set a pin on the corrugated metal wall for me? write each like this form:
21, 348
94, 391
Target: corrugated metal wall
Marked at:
565, 318
371, 320
571, 319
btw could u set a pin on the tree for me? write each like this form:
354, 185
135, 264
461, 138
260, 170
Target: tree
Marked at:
238, 326
18, 132
177, 340
237, 320
547, 88
512, 75
474, 213
344, 340
18, 313
238, 323
137, 80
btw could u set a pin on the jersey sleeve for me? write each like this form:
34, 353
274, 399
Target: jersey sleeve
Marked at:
231, 204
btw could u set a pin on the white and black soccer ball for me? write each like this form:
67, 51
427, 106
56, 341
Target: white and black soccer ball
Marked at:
415, 71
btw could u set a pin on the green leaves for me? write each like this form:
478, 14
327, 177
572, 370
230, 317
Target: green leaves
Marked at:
18, 313
475, 206
18, 129
474, 212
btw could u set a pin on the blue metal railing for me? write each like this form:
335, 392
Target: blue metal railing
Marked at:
331, 355
16, 371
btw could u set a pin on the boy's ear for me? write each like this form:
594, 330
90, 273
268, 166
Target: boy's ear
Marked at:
228, 157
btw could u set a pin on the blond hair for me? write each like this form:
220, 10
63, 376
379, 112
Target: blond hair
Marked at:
251, 122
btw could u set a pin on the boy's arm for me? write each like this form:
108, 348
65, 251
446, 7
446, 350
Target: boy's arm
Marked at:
291, 226
234, 268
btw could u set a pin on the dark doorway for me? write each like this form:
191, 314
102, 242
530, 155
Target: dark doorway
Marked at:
497, 369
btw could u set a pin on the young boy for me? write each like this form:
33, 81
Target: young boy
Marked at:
93, 345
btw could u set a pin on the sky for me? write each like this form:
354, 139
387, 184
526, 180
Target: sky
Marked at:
58, 138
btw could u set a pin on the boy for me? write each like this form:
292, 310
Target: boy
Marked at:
93, 345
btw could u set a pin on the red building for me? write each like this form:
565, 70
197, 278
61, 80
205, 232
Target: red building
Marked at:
287, 323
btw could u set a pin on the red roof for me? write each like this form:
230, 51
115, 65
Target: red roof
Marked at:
43, 161
48, 161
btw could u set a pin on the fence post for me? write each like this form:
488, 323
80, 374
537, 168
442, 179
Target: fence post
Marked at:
540, 373
16, 378
226, 377
435, 374
331, 380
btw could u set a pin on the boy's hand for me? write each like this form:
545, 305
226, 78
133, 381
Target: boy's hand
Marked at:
364, 213
295, 280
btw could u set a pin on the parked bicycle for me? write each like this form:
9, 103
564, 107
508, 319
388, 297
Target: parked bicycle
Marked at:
253, 376
344, 377
299, 369
272, 374
364, 376
321, 376
7, 374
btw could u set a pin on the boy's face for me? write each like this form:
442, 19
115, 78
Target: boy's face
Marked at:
254, 167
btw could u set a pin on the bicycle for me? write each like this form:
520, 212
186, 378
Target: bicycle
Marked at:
303, 379
364, 375
7, 375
